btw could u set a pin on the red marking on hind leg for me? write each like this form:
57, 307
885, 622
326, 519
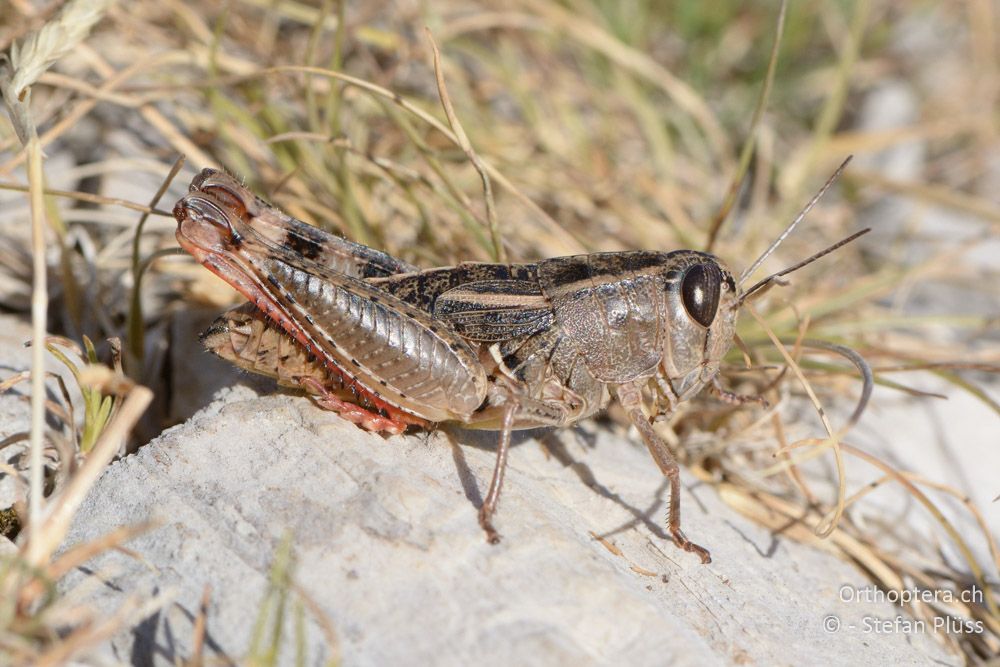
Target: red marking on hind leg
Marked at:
353, 412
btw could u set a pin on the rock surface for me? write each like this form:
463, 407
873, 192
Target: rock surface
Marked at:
387, 545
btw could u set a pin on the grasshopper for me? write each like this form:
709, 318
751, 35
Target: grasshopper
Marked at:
495, 346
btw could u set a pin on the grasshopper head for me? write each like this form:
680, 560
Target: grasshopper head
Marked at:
208, 216
702, 304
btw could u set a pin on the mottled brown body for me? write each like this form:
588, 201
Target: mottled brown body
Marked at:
569, 329
499, 346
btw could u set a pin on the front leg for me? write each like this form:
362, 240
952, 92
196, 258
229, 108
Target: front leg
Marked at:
733, 398
630, 397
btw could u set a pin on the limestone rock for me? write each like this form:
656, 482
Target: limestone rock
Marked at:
387, 545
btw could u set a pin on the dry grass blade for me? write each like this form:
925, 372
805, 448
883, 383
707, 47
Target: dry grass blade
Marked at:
746, 153
907, 480
27, 62
867, 379
48, 535
39, 308
948, 526
136, 332
833, 107
499, 254
833, 442
89, 198
33, 588
325, 624
790, 519
92, 634
551, 225
612, 126
593, 36
197, 652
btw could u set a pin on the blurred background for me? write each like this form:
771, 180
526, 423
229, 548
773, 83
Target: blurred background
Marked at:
605, 126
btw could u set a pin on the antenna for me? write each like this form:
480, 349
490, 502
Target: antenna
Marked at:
766, 282
788, 230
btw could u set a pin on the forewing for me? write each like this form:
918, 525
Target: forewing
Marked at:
388, 348
494, 310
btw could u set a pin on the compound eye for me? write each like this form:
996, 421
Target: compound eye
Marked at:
700, 292
198, 211
229, 200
